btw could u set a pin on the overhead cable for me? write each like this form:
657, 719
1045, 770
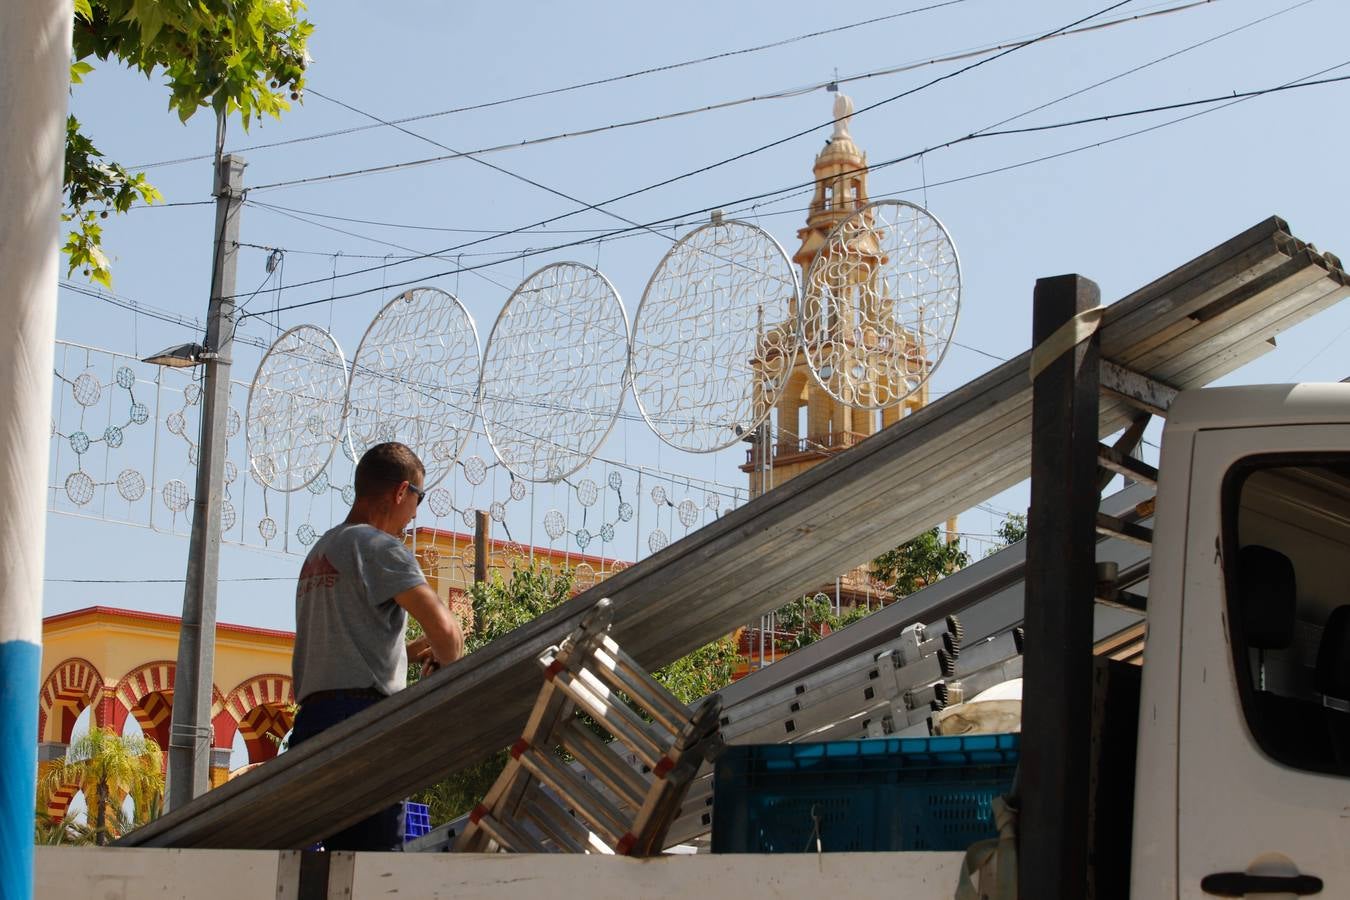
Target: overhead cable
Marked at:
725, 104
548, 92
752, 151
1225, 101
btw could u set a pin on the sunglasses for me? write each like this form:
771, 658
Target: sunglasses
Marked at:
420, 492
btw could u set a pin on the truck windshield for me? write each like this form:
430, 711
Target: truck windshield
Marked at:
1286, 554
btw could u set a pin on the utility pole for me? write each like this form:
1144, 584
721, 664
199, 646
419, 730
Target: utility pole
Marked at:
190, 728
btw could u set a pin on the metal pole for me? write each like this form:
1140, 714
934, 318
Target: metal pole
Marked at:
190, 728
481, 524
34, 88
763, 435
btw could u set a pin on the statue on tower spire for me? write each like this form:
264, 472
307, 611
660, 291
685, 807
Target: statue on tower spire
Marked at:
843, 114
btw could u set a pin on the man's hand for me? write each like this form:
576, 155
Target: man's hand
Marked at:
444, 642
419, 650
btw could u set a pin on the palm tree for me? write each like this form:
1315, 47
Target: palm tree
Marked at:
108, 767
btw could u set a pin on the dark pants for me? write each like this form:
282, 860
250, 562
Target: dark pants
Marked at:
384, 829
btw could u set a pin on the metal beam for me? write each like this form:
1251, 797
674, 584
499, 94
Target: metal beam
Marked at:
1131, 468
1137, 389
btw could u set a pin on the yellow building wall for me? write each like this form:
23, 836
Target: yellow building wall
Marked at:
121, 663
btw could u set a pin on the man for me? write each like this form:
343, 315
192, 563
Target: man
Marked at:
356, 589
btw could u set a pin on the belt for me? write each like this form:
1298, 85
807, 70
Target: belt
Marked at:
343, 694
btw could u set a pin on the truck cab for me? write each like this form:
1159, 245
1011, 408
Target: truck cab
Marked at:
1243, 766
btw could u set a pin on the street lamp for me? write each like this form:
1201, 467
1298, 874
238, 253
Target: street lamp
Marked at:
180, 357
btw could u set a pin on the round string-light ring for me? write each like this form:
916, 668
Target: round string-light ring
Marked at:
880, 304
715, 336
415, 379
295, 405
554, 371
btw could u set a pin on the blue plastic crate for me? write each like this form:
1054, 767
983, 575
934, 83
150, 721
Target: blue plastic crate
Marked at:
888, 794
416, 820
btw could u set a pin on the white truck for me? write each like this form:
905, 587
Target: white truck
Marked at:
1242, 781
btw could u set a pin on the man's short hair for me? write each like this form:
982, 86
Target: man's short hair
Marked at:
385, 466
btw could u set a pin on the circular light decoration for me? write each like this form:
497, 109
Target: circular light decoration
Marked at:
267, 527
626, 511
306, 534
176, 496
112, 436
227, 515
497, 510
140, 413
232, 422
554, 524
131, 485
712, 501
518, 490
554, 371
715, 336
79, 442
587, 492
415, 378
295, 405
657, 541
475, 470
192, 394
615, 480
348, 494
231, 472
607, 532
469, 516
688, 512
583, 538
659, 496
583, 577
175, 423
441, 502
880, 304
79, 488
126, 378
86, 389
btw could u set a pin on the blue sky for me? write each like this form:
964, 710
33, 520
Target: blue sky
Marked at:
1122, 212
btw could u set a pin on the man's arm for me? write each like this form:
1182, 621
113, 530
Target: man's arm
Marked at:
441, 628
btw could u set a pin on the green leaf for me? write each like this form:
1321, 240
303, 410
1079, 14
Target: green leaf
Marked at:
83, 10
78, 70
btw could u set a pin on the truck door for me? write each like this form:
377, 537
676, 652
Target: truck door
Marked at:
1264, 756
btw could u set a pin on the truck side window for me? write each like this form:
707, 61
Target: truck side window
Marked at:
1286, 547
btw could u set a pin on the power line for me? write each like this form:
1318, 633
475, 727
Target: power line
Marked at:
577, 86
415, 254
751, 152
754, 209
142, 309
1226, 100
1244, 95
496, 168
726, 104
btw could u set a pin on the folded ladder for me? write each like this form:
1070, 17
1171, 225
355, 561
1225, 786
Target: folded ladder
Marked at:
541, 804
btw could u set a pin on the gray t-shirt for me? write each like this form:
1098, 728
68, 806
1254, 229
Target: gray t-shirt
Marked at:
349, 632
